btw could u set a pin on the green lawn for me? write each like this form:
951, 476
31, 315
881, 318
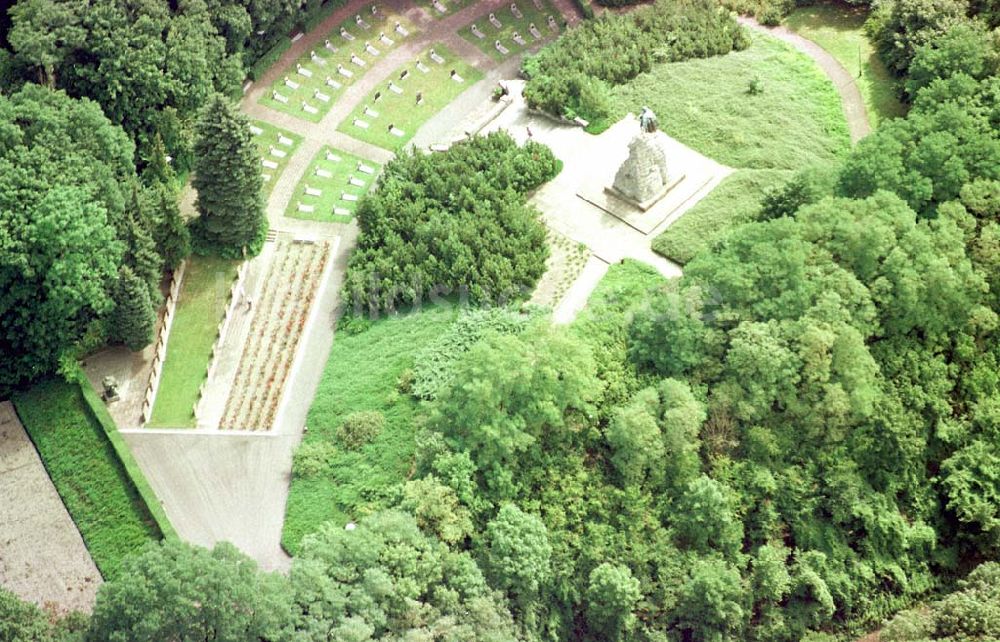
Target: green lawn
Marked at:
325, 66
203, 299
362, 374
272, 137
325, 205
509, 24
838, 29
736, 200
86, 472
795, 121
401, 109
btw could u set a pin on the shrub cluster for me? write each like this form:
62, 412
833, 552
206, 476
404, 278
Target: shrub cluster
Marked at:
571, 77
452, 223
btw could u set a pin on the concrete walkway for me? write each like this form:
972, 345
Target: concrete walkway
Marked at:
843, 82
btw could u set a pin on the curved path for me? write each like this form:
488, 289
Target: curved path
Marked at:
843, 82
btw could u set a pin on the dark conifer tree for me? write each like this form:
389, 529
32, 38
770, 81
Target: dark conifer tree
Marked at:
227, 177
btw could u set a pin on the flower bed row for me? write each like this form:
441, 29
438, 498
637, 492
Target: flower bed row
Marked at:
275, 331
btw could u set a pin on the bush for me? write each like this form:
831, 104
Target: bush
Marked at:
360, 428
312, 459
434, 364
570, 77
452, 223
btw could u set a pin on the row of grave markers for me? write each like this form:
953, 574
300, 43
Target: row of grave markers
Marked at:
344, 196
360, 123
272, 151
516, 37
318, 60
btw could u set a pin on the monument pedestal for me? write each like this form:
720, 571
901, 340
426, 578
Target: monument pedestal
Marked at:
645, 205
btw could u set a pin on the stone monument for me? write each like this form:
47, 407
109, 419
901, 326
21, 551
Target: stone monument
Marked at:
642, 179
110, 385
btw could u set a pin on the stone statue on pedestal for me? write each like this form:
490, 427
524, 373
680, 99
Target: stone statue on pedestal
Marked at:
643, 175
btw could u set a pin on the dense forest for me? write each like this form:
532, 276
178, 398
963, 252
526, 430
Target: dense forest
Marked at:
797, 440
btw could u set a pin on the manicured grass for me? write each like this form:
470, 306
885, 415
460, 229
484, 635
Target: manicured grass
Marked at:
86, 472
203, 299
509, 24
838, 28
332, 188
736, 200
451, 6
362, 374
794, 122
268, 139
326, 64
401, 109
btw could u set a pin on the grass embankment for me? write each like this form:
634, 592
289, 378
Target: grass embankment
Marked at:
90, 479
794, 121
838, 28
271, 137
362, 374
326, 205
736, 200
203, 299
401, 109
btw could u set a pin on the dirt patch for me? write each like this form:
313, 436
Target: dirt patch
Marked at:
42, 556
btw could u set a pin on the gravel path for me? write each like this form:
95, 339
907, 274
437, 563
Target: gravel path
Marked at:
42, 556
850, 95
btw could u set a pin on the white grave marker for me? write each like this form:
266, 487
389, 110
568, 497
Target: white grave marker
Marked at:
401, 30
360, 123
270, 164
255, 130
309, 109
278, 97
322, 173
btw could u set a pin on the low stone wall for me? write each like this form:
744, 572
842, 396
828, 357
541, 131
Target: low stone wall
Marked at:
161, 342
220, 333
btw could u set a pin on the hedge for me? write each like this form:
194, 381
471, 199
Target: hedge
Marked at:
128, 462
271, 56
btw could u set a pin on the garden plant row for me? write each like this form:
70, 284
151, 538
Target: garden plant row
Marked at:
279, 319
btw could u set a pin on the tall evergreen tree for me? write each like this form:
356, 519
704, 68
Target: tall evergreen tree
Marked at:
133, 319
140, 253
227, 177
173, 240
158, 169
